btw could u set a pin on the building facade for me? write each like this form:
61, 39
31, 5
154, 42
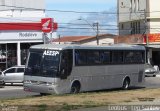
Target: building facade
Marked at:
20, 27
22, 8
141, 17
138, 16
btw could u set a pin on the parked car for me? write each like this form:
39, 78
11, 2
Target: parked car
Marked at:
1, 80
151, 70
13, 74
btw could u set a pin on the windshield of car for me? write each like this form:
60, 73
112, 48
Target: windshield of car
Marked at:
43, 63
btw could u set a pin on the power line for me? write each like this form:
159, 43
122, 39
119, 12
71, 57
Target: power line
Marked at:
156, 28
86, 24
40, 26
84, 28
70, 23
58, 23
69, 11
20, 8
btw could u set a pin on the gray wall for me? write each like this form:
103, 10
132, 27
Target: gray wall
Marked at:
38, 4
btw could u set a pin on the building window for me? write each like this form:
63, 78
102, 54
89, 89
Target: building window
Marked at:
135, 6
122, 4
139, 28
135, 27
131, 28
138, 5
131, 5
122, 26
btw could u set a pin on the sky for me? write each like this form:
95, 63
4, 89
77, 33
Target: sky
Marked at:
84, 21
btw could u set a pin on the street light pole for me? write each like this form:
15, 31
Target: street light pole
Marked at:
59, 37
146, 27
146, 31
97, 32
97, 28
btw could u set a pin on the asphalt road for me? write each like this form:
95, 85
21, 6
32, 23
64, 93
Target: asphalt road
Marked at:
16, 91
152, 82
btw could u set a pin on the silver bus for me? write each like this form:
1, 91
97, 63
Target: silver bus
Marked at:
76, 68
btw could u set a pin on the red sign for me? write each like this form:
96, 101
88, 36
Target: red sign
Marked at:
152, 38
47, 25
20, 26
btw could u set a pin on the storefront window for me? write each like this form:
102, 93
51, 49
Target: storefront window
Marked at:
24, 54
3, 56
8, 54
12, 55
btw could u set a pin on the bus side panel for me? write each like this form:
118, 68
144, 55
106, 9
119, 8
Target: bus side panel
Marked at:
132, 71
97, 78
116, 73
80, 73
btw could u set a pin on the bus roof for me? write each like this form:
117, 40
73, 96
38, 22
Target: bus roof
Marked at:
72, 46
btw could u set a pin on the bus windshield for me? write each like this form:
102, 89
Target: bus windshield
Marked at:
43, 63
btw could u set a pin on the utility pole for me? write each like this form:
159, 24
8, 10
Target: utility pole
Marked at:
93, 25
97, 32
44, 38
59, 37
146, 27
147, 38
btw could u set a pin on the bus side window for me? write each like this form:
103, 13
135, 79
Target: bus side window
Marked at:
105, 57
80, 57
117, 57
66, 63
93, 57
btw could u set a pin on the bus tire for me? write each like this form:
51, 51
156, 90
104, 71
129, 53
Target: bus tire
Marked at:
75, 88
126, 83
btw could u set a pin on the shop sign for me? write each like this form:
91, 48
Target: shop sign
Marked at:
47, 25
20, 36
27, 34
152, 38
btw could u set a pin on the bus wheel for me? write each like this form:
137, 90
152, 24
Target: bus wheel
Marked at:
75, 88
126, 83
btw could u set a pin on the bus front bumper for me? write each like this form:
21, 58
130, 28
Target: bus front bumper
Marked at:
48, 89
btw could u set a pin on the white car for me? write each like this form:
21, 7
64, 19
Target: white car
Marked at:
150, 71
13, 75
